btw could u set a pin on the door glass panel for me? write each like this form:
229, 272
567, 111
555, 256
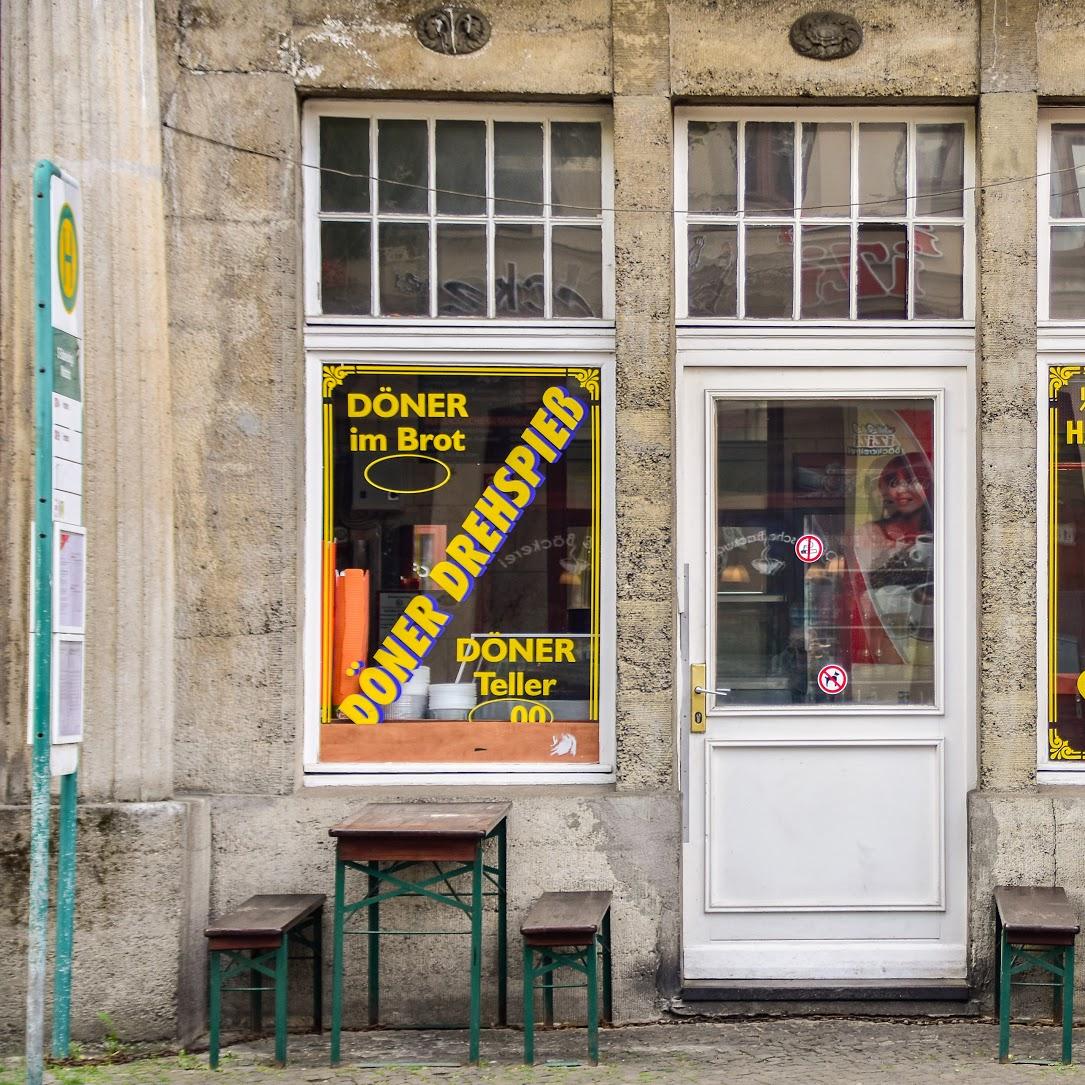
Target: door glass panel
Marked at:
856, 478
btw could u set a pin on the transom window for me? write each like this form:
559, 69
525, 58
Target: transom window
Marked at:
459, 212
1061, 203
824, 215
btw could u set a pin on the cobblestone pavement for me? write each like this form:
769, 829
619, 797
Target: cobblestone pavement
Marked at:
804, 1051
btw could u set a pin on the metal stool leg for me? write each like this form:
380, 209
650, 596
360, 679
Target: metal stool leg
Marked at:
502, 927
1067, 1005
374, 951
318, 970
476, 955
337, 964
608, 973
529, 1005
1005, 964
591, 960
282, 964
215, 1008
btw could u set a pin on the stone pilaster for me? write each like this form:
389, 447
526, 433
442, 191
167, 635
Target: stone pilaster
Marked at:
79, 86
1006, 345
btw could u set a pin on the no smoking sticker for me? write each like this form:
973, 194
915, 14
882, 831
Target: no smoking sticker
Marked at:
809, 548
832, 679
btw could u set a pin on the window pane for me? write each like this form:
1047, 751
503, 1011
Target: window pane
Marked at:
826, 169
403, 262
826, 272
939, 272
576, 165
518, 271
1067, 272
518, 169
420, 488
344, 267
1065, 650
344, 145
402, 152
770, 168
1067, 170
713, 274
859, 476
461, 167
461, 270
883, 155
576, 265
882, 272
713, 165
939, 163
769, 271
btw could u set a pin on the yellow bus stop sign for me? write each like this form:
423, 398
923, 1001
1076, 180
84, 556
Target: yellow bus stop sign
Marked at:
67, 258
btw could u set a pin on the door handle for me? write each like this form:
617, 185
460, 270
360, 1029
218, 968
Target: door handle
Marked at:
698, 706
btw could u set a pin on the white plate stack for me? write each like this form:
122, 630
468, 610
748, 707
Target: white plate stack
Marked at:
411, 703
451, 700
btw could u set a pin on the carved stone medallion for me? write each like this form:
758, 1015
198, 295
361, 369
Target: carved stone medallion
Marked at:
826, 35
453, 29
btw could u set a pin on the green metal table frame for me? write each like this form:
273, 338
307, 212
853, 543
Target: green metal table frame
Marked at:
582, 959
227, 964
387, 880
1057, 961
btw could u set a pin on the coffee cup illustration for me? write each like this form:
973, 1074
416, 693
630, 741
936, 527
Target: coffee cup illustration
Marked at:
922, 550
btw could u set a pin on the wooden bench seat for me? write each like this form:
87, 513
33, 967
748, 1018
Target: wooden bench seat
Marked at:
565, 919
1035, 928
566, 930
254, 941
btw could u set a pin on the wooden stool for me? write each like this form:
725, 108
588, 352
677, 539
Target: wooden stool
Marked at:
255, 939
567, 930
1035, 927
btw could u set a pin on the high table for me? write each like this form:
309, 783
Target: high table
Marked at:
385, 841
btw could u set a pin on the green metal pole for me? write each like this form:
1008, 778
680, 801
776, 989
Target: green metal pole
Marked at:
502, 926
476, 955
62, 967
1068, 1005
529, 1004
43, 598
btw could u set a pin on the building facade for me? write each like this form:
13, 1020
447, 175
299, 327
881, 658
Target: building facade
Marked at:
468, 393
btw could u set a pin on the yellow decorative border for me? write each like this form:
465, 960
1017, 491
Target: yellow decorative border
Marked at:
1058, 748
334, 375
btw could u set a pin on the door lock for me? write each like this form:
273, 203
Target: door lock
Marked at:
698, 706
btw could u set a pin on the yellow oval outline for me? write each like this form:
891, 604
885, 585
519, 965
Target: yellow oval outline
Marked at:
408, 456
498, 700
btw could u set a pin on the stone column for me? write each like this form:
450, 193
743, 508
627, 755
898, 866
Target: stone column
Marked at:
1006, 344
645, 330
80, 86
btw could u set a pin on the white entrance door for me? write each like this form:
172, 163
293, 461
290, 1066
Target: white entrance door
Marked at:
826, 793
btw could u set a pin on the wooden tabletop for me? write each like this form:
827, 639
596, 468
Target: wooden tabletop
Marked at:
473, 820
577, 913
269, 913
1035, 909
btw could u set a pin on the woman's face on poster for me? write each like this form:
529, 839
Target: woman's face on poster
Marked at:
902, 493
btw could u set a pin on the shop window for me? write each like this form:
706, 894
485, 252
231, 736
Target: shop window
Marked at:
824, 218
459, 213
849, 487
461, 549
1064, 650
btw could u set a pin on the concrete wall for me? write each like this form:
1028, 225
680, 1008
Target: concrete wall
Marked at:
219, 458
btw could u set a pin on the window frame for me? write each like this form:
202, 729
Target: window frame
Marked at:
1045, 120
561, 342
431, 111
825, 115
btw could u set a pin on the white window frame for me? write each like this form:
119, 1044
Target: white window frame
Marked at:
823, 115
454, 340
431, 111
1047, 118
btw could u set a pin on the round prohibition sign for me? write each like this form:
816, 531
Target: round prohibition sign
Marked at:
809, 548
832, 679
